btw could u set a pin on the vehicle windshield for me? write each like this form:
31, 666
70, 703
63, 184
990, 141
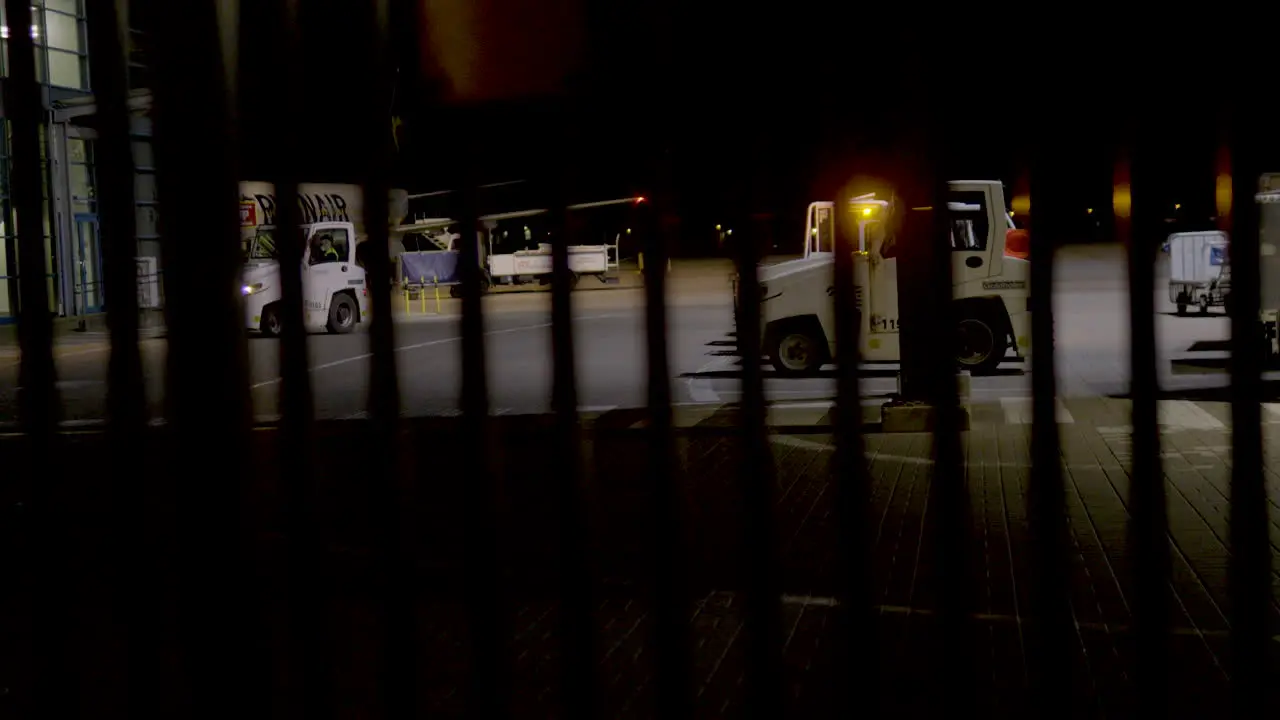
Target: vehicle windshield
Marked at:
263, 245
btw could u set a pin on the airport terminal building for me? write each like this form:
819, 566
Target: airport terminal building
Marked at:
70, 217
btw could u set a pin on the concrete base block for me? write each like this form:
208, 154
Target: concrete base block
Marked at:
907, 416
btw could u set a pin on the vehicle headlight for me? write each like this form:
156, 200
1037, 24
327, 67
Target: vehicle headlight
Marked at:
251, 289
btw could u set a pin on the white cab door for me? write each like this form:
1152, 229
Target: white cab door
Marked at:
976, 225
326, 269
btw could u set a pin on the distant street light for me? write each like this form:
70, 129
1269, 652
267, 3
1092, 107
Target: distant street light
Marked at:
1090, 211
1177, 206
717, 228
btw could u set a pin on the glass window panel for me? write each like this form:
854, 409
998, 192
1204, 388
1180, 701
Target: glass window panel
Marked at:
148, 221
67, 6
65, 70
62, 31
144, 187
142, 156
81, 181
76, 151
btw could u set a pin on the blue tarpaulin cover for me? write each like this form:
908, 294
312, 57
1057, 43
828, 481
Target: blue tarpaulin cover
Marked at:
440, 265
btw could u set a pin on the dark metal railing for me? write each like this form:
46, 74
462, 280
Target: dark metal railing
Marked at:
187, 570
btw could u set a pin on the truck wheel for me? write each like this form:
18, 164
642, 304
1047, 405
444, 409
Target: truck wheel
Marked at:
1182, 308
342, 314
795, 351
980, 342
272, 324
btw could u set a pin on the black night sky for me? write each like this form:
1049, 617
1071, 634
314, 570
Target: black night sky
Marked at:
758, 113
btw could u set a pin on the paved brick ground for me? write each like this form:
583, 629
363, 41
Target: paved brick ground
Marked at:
902, 664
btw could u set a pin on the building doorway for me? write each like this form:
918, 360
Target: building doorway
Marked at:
88, 264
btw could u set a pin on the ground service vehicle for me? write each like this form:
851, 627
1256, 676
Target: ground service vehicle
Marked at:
1268, 199
333, 278
1199, 270
511, 248
990, 286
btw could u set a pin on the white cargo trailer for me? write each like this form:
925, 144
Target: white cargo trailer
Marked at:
1199, 271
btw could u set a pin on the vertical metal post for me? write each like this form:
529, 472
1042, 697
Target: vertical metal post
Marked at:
36, 514
576, 618
763, 611
307, 653
138, 591
207, 394
1250, 569
1051, 618
38, 403
490, 683
949, 486
673, 666
399, 669
1148, 528
858, 639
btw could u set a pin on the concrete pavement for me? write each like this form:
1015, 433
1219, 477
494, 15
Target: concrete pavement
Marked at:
1092, 332
902, 528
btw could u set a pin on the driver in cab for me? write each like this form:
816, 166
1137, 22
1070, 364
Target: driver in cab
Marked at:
327, 253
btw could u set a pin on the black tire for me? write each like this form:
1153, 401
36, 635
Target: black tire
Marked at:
342, 314
1182, 308
981, 340
796, 351
272, 323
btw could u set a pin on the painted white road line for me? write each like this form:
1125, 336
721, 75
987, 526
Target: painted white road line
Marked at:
600, 409
429, 343
827, 601
1017, 411
699, 388
1270, 413
15, 360
1185, 414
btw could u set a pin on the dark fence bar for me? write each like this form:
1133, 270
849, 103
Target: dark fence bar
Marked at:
225, 649
954, 679
857, 643
674, 669
576, 607
36, 527
1249, 574
1051, 619
1148, 526
137, 593
390, 494
489, 692
763, 621
307, 657
39, 400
